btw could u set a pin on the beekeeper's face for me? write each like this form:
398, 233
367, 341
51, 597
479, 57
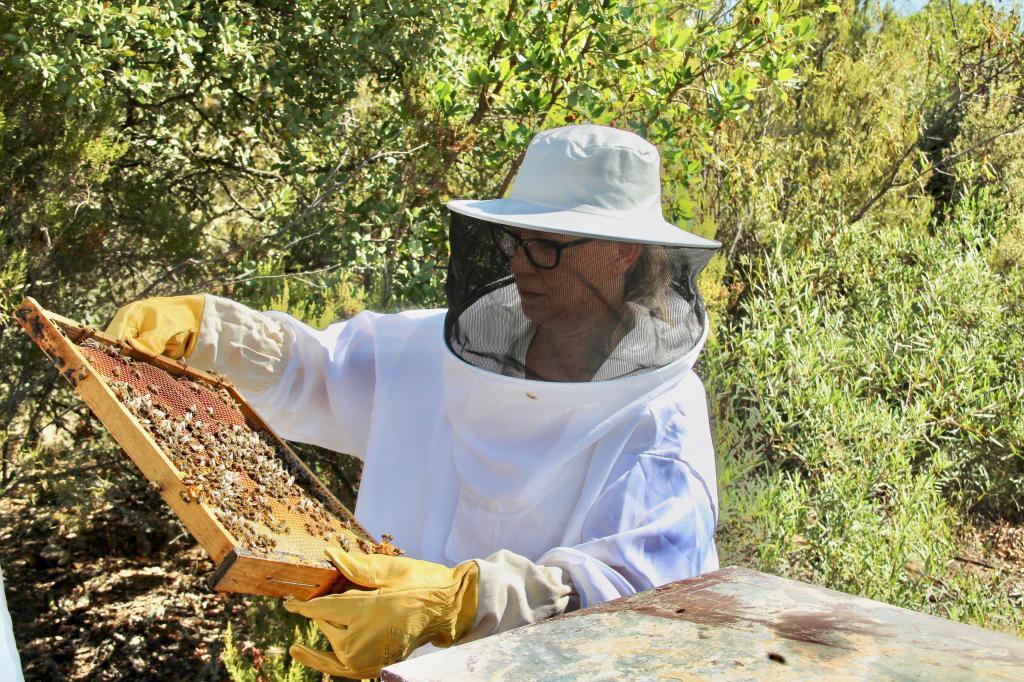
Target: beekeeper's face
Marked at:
584, 288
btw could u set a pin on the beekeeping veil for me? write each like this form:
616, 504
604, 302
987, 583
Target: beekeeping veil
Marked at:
573, 321
576, 276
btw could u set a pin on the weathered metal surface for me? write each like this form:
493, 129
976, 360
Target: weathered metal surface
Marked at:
733, 624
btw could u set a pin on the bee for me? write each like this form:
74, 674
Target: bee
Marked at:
237, 471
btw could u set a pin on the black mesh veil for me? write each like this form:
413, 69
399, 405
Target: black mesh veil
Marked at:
554, 307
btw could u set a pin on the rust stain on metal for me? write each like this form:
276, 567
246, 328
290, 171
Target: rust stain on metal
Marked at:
815, 627
698, 601
700, 605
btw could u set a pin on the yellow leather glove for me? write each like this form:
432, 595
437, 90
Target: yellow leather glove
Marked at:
406, 604
167, 325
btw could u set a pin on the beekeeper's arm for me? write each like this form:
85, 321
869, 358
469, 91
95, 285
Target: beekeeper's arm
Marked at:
652, 525
325, 403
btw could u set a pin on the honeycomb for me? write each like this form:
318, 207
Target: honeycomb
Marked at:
229, 464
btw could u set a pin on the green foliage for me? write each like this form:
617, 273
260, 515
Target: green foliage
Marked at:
672, 73
12, 279
867, 394
901, 117
260, 656
176, 147
866, 377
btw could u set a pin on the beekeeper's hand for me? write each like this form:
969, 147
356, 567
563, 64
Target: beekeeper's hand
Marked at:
160, 326
405, 604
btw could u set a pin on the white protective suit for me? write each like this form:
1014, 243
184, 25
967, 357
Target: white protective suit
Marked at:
10, 663
596, 490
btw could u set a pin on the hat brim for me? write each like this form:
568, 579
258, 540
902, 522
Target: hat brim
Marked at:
516, 213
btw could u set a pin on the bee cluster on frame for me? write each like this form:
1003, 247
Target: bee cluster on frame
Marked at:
236, 471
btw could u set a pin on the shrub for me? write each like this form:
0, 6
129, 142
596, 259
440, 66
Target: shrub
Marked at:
867, 395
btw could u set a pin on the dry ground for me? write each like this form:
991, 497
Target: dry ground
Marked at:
92, 606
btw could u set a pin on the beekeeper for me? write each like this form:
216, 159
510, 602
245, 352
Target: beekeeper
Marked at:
540, 445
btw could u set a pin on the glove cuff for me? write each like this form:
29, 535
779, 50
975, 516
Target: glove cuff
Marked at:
461, 608
466, 598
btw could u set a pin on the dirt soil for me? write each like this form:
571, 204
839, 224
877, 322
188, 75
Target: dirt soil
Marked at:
124, 600
995, 549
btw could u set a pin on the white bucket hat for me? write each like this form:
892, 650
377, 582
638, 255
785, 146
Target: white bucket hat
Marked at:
587, 180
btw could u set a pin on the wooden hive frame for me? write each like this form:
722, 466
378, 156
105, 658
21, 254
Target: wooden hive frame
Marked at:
238, 569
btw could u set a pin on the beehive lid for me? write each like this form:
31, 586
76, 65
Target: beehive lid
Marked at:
732, 624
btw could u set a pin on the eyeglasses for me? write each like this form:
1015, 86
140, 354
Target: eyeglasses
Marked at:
542, 253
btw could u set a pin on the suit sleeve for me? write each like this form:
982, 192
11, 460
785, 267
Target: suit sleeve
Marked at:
655, 519
312, 386
652, 526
